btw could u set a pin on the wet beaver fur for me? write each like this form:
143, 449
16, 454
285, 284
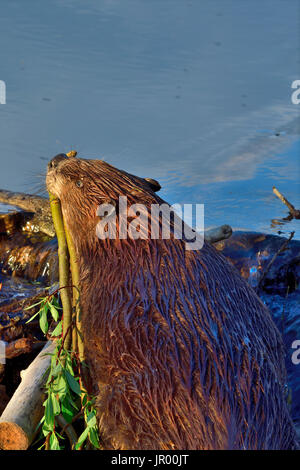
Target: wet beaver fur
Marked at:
182, 352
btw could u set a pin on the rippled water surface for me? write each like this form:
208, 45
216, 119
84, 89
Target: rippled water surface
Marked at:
196, 94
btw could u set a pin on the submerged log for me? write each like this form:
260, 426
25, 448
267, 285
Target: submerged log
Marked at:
217, 234
19, 420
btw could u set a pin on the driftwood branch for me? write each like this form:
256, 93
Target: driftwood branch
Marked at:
38, 205
19, 420
295, 213
27, 202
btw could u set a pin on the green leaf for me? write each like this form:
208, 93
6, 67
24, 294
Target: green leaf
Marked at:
55, 302
60, 387
94, 438
33, 316
43, 320
67, 411
72, 402
53, 311
73, 384
56, 369
34, 305
91, 420
46, 430
57, 330
54, 443
69, 365
82, 438
49, 415
55, 404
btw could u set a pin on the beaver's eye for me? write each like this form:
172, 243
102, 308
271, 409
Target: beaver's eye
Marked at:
79, 183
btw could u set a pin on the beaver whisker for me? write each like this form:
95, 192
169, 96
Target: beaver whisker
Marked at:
37, 187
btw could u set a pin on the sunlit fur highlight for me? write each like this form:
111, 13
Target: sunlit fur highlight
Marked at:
182, 352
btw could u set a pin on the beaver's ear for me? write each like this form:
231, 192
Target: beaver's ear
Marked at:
154, 185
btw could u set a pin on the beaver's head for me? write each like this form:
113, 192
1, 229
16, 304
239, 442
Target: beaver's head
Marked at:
82, 185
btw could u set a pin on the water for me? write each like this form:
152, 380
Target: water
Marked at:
5, 208
194, 94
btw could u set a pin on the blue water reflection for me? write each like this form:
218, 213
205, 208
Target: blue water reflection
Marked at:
194, 94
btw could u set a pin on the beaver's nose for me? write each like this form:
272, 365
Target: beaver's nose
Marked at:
56, 160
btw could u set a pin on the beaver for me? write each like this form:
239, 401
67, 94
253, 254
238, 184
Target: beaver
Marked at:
182, 352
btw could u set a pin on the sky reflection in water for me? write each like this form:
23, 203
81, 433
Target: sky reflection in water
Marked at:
190, 93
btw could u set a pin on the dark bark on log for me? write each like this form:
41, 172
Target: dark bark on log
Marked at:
22, 346
18, 347
217, 234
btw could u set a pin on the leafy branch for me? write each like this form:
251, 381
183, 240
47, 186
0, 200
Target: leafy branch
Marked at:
67, 400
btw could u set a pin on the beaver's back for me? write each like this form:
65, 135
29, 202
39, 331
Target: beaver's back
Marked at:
185, 354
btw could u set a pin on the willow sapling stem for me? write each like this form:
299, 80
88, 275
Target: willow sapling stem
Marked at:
64, 266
